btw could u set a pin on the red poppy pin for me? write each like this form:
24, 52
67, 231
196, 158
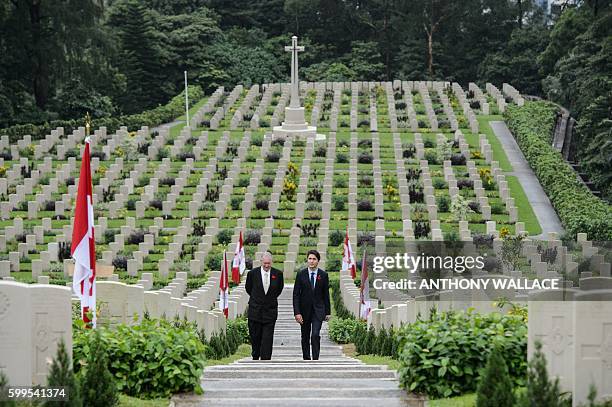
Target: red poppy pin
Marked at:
273, 277
318, 278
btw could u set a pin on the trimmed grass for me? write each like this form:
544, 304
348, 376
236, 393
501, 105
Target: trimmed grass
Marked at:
525, 211
243, 351
498, 151
467, 400
349, 350
127, 401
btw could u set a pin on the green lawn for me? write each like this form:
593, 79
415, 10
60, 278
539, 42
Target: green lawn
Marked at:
243, 351
525, 211
467, 400
127, 401
498, 151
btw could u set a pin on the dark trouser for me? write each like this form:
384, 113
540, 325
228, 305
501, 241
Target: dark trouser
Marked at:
262, 337
311, 335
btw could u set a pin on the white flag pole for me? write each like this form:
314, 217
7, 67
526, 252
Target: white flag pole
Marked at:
186, 100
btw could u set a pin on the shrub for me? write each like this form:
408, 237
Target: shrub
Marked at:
251, 237
341, 158
167, 181
224, 236
438, 183
458, 159
431, 156
343, 330
98, 384
174, 364
364, 205
136, 237
443, 356
62, 375
235, 203
120, 262
578, 209
365, 181
321, 151
338, 202
262, 204
156, 204
256, 140
336, 238
541, 391
339, 308
273, 156
365, 158
268, 182
495, 387
465, 183
340, 183
443, 203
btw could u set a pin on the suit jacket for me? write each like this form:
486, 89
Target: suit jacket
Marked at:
263, 307
311, 304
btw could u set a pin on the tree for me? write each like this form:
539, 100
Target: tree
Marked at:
495, 387
541, 391
141, 57
61, 375
366, 61
98, 384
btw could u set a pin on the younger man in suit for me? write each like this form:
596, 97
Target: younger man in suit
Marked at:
311, 304
264, 284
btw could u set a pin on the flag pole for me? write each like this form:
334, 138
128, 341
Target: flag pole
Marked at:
186, 99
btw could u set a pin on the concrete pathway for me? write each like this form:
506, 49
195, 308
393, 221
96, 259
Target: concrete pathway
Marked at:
543, 209
287, 380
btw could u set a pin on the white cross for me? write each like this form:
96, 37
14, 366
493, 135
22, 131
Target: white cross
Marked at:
294, 49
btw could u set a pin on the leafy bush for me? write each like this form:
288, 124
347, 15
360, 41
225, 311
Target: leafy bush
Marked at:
364, 205
262, 204
365, 158
443, 203
444, 356
62, 375
99, 386
458, 159
153, 359
336, 238
273, 156
252, 237
578, 209
224, 236
268, 181
342, 158
343, 330
336, 297
495, 387
338, 203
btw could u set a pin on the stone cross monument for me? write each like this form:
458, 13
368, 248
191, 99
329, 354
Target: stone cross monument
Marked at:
295, 123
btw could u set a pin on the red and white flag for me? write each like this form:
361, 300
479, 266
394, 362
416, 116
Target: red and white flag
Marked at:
224, 287
239, 262
348, 259
364, 290
83, 249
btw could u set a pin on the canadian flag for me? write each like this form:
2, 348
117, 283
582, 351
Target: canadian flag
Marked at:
238, 264
348, 259
364, 290
224, 287
83, 249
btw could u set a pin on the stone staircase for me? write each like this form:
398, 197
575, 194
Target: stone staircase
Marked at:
287, 380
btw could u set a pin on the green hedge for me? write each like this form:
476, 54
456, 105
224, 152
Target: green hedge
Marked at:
154, 359
151, 118
578, 209
445, 355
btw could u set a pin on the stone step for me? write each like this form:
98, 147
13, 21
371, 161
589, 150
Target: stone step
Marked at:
303, 402
289, 382
288, 367
298, 374
286, 382
339, 360
269, 392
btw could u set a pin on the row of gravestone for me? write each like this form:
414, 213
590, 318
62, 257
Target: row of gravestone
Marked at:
35, 317
574, 326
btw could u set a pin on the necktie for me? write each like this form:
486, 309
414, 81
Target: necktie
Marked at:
266, 281
312, 280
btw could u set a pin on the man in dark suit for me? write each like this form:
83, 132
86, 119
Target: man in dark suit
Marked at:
311, 304
264, 284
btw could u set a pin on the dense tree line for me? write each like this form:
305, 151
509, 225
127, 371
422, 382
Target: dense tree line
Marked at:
64, 57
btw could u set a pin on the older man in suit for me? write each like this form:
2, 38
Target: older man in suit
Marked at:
311, 304
264, 284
